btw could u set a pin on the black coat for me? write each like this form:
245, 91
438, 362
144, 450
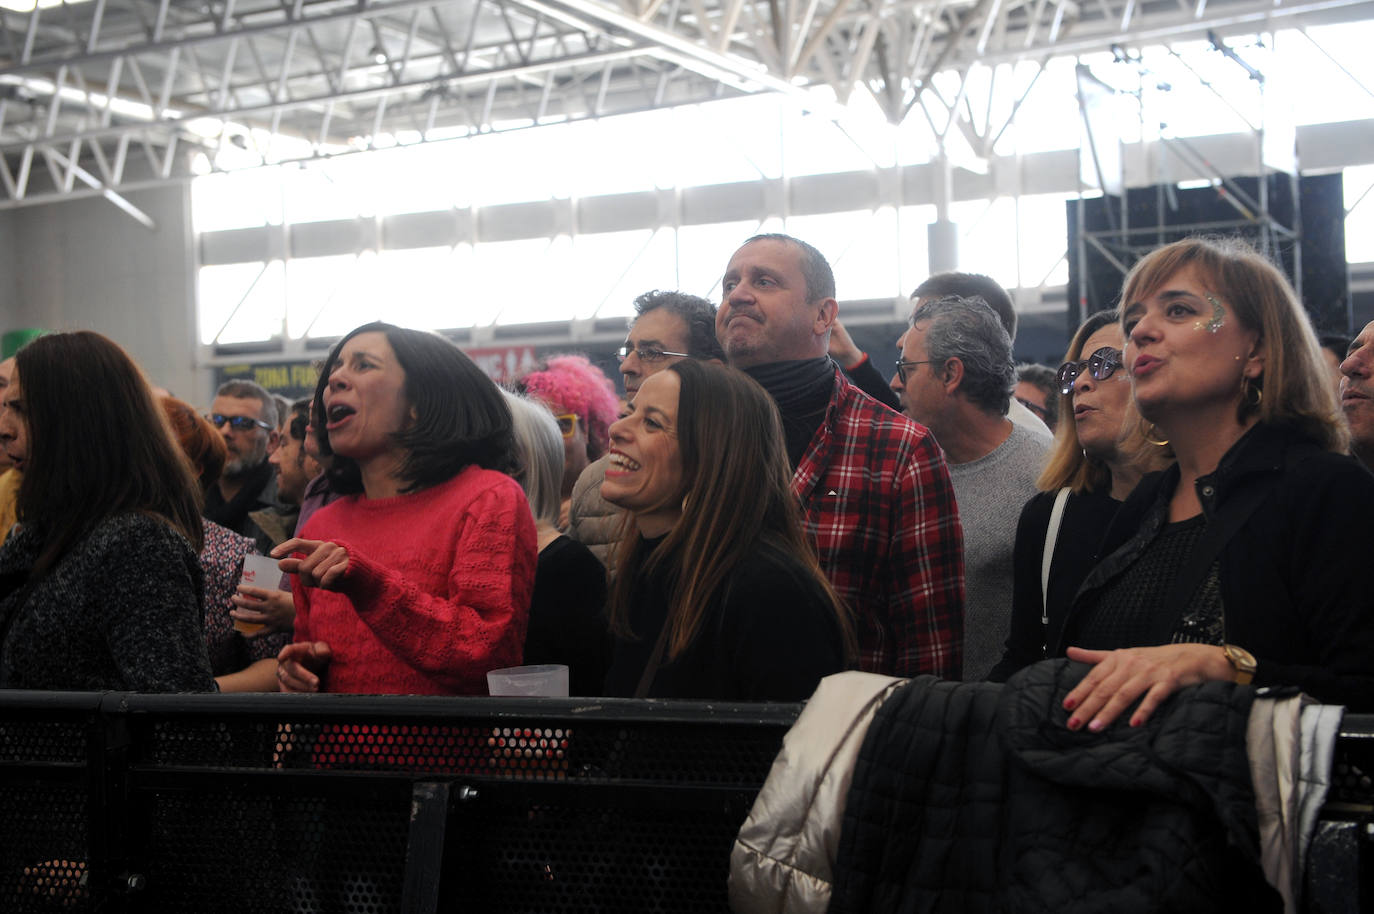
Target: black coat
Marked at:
771, 636
1294, 578
976, 797
1086, 517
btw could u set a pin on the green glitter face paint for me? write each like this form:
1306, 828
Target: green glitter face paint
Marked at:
1218, 316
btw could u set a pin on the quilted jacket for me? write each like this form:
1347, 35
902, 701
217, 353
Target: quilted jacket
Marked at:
976, 798
782, 857
592, 520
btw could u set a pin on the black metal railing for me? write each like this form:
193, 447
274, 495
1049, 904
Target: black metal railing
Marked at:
324, 803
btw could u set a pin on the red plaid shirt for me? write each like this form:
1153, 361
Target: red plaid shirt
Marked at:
878, 500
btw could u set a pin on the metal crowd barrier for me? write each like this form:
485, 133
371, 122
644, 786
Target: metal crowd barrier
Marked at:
332, 803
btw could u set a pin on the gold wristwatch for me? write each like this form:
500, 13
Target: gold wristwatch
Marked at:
1242, 661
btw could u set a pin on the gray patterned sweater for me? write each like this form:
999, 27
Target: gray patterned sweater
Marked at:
121, 610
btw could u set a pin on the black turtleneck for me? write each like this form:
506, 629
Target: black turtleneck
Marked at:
802, 389
253, 495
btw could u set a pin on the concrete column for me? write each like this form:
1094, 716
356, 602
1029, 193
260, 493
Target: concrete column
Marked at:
942, 235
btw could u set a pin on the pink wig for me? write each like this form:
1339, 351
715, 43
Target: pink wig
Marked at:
572, 384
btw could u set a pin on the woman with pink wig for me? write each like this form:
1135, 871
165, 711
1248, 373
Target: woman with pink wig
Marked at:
583, 400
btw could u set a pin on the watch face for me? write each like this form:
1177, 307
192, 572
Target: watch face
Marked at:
1240, 658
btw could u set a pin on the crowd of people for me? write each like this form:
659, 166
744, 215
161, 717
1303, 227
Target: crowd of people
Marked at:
1179, 502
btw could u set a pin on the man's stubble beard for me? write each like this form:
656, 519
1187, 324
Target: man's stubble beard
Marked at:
238, 468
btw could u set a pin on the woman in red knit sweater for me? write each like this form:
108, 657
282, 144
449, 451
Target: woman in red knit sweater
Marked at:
417, 581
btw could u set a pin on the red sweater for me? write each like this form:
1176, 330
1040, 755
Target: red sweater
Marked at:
437, 589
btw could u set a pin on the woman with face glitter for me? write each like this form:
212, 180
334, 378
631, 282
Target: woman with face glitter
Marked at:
1240, 562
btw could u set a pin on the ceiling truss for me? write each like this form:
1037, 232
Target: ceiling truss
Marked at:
106, 96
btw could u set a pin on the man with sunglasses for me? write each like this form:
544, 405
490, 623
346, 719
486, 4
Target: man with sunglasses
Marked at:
668, 327
246, 416
955, 376
976, 285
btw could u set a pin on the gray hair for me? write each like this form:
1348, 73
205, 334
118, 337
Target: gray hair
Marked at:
243, 389
968, 329
971, 285
539, 455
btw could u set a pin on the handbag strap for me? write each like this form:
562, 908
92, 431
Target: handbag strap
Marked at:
1051, 538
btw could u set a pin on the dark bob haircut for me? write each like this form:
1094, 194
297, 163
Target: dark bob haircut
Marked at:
460, 416
98, 445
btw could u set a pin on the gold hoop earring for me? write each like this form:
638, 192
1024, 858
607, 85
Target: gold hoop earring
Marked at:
1247, 389
1149, 428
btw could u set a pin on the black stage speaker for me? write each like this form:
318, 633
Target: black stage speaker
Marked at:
1158, 215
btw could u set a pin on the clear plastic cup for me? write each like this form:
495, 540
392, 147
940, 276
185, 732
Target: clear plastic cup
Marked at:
258, 571
546, 680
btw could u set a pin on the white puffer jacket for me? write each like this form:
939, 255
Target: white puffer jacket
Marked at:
782, 859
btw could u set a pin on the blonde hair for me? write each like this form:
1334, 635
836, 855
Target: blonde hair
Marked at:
1295, 387
538, 454
1067, 464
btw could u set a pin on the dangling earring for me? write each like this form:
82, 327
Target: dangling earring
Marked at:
1250, 390
1147, 429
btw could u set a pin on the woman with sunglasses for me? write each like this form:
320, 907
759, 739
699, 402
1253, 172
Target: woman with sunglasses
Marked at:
100, 584
1244, 561
417, 580
719, 595
1099, 455
582, 399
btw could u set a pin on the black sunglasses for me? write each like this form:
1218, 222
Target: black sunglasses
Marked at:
237, 423
1101, 365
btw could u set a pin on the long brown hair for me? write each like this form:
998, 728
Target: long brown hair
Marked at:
1067, 464
98, 445
735, 499
1295, 386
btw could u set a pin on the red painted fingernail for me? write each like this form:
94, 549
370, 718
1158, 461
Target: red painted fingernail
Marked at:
1074, 723
1070, 704
1136, 721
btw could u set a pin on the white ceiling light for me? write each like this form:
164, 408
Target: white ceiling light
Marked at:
26, 6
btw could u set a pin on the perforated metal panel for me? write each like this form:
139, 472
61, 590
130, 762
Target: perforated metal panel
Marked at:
45, 808
555, 811
322, 804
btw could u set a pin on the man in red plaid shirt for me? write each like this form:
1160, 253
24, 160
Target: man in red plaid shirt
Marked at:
873, 484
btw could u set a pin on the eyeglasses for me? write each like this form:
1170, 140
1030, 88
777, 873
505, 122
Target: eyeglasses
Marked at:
567, 424
1036, 408
903, 365
237, 423
648, 354
1102, 364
